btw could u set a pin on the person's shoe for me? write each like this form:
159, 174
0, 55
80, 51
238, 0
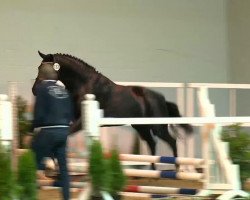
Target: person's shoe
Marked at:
50, 164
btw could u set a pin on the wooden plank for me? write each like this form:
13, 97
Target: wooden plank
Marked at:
166, 183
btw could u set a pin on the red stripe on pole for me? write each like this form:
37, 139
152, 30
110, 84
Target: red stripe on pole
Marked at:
132, 188
107, 155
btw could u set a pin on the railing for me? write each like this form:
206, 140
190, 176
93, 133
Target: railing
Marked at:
191, 87
93, 120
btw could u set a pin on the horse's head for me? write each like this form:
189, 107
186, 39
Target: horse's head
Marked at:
74, 73
46, 57
78, 77
48, 61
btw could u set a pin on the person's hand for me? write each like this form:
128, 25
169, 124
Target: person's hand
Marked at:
37, 130
59, 83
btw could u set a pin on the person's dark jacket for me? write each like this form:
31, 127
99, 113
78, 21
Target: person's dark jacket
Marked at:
53, 106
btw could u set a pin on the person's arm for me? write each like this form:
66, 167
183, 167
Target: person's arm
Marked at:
72, 116
40, 107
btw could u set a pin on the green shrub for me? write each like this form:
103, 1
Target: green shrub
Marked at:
97, 167
116, 179
26, 176
239, 145
7, 188
23, 123
106, 174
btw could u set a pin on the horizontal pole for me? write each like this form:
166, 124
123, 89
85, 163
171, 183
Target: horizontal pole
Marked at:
163, 174
52, 182
161, 159
174, 120
219, 85
132, 159
147, 173
189, 85
152, 84
140, 196
160, 190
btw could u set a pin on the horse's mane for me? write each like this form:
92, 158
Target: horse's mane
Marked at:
79, 64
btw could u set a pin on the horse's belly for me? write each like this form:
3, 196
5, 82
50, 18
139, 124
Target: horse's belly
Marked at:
123, 111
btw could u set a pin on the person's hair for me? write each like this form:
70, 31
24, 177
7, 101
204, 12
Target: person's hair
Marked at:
47, 72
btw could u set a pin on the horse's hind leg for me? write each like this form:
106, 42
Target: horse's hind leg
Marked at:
145, 134
162, 132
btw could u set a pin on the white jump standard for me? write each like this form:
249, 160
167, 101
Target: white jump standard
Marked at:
226, 189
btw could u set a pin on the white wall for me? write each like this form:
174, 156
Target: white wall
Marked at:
129, 40
126, 40
239, 34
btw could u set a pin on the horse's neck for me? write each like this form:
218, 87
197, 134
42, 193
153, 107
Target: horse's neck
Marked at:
99, 85
89, 82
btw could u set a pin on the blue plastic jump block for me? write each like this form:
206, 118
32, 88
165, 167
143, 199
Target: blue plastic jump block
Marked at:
168, 174
188, 191
171, 160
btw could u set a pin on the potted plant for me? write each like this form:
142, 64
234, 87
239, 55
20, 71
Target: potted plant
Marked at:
107, 177
115, 177
26, 176
97, 170
239, 145
7, 181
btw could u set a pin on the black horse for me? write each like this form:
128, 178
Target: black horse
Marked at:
116, 100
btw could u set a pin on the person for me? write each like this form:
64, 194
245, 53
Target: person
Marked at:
52, 117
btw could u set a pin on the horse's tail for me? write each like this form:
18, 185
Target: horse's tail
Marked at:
173, 111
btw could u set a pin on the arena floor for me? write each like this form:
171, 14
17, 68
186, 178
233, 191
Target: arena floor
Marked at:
53, 194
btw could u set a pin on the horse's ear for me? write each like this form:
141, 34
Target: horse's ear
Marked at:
41, 54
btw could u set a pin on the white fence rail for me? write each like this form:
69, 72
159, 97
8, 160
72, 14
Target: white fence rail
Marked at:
94, 119
191, 87
169, 120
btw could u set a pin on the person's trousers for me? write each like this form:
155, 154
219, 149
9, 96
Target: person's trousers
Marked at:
51, 142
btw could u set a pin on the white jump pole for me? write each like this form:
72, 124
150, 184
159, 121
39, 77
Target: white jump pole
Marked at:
6, 123
180, 141
12, 93
206, 110
189, 141
91, 115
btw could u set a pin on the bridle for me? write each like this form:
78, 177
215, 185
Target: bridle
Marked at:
55, 66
